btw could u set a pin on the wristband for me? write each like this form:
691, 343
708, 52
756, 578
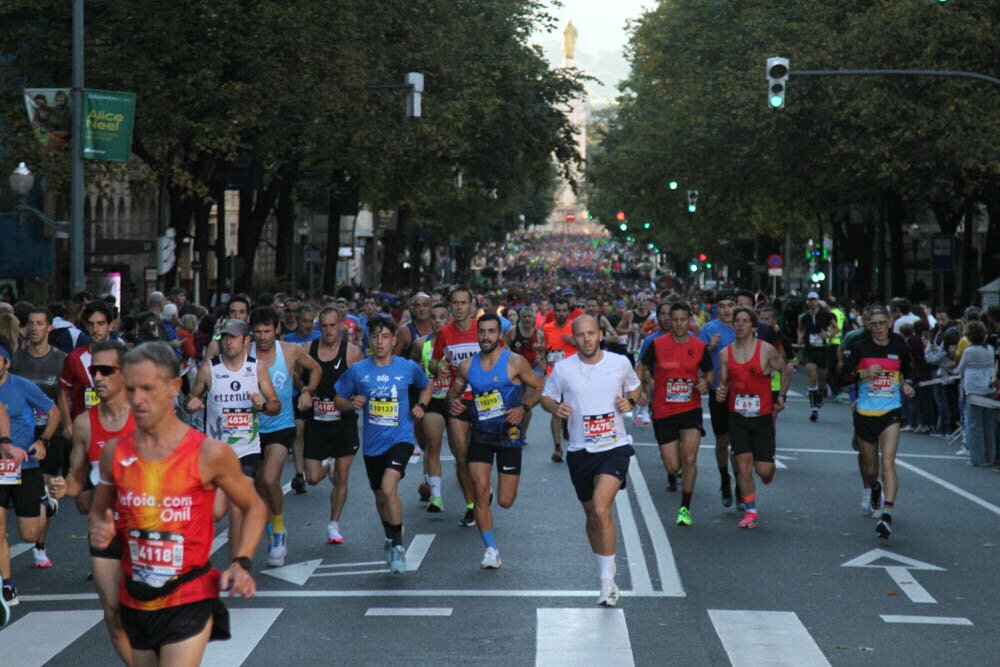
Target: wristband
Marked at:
631, 400
45, 441
422, 406
525, 407
243, 562
6, 441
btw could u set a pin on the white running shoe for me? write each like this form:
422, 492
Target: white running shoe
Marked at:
328, 465
41, 558
277, 549
491, 559
333, 535
398, 563
866, 503
609, 593
962, 451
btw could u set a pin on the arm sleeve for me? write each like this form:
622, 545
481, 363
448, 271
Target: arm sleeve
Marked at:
66, 377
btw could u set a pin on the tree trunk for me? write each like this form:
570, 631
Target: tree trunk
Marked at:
895, 219
393, 247
968, 254
866, 266
991, 251
255, 207
284, 213
201, 218
342, 200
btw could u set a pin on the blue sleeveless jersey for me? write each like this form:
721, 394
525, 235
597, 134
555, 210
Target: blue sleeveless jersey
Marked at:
493, 394
284, 385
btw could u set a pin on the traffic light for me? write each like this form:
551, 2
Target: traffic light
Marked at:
673, 185
166, 251
818, 277
777, 76
692, 201
693, 267
702, 257
708, 265
623, 227
570, 218
646, 225
650, 246
620, 216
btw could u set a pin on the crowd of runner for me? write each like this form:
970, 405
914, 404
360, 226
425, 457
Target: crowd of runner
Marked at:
160, 424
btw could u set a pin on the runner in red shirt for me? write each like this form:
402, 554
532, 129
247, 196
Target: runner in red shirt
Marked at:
77, 386
559, 344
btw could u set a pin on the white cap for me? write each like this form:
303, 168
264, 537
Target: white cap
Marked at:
812, 295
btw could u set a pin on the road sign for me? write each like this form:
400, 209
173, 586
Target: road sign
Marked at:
942, 252
899, 571
774, 273
775, 262
846, 270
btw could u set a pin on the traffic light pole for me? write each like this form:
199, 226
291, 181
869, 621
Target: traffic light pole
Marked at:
895, 72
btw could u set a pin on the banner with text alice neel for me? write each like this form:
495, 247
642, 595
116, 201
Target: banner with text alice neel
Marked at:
108, 117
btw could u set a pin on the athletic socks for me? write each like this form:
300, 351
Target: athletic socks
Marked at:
396, 534
750, 502
724, 474
278, 522
40, 545
488, 540
335, 525
814, 397
469, 506
387, 528
606, 564
435, 484
686, 499
887, 507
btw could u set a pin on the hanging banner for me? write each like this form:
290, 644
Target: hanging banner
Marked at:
51, 116
108, 117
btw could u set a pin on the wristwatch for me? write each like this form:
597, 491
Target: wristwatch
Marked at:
525, 407
422, 406
631, 400
45, 441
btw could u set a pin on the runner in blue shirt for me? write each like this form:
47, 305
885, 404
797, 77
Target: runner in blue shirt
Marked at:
379, 386
718, 334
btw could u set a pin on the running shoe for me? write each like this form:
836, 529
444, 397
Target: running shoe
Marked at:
866, 503
277, 549
491, 559
387, 551
4, 612
884, 526
557, 455
749, 520
328, 465
41, 558
436, 505
425, 492
727, 494
813, 415
962, 451
876, 497
609, 593
333, 535
299, 484
397, 562
671, 483
906, 429
469, 519
10, 595
684, 517
51, 505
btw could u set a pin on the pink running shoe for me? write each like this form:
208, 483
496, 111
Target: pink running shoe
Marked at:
749, 520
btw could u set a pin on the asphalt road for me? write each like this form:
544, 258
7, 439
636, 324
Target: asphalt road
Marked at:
812, 585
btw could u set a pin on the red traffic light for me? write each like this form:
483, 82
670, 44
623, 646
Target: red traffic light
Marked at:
570, 217
620, 216
702, 257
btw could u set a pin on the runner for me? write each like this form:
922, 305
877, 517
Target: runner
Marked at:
379, 386
816, 326
527, 340
283, 361
673, 362
433, 422
154, 496
591, 390
452, 345
499, 404
21, 485
331, 438
717, 334
559, 344
745, 368
77, 386
417, 327
238, 388
99, 425
769, 318
878, 362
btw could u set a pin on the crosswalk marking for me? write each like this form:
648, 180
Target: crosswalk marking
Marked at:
248, 627
41, 635
774, 638
637, 571
409, 611
670, 578
18, 549
582, 637
930, 620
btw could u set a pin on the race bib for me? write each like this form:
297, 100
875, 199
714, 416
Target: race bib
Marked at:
90, 398
237, 422
747, 405
555, 355
883, 385
440, 386
157, 556
41, 418
489, 405
816, 340
600, 430
10, 472
383, 412
325, 411
679, 390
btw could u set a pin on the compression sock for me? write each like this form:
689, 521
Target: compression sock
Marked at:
606, 564
814, 397
887, 507
396, 534
750, 502
388, 529
488, 540
435, 483
686, 499
278, 522
724, 474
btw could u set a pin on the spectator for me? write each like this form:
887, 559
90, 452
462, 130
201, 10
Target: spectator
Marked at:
976, 371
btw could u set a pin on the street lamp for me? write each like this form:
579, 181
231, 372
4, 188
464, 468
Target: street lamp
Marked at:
21, 180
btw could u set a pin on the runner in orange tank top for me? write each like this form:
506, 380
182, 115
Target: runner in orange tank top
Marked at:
161, 483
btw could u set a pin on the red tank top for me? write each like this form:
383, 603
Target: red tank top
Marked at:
525, 346
164, 522
675, 375
457, 346
99, 436
749, 388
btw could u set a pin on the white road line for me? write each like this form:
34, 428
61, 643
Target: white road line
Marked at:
361, 564
41, 635
248, 627
773, 638
18, 549
349, 574
633, 546
909, 585
418, 593
951, 487
930, 620
670, 578
417, 550
779, 465
940, 457
575, 637
409, 611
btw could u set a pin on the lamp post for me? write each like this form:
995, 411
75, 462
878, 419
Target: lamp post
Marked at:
76, 283
21, 181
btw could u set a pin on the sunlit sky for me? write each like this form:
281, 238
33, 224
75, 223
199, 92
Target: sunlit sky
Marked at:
601, 42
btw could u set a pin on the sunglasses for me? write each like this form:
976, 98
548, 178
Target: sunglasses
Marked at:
106, 371
879, 323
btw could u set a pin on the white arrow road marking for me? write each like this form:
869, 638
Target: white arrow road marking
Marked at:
900, 572
300, 573
778, 458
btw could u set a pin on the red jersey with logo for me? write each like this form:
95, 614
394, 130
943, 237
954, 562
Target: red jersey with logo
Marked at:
675, 367
457, 345
100, 436
75, 378
557, 349
164, 522
749, 388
